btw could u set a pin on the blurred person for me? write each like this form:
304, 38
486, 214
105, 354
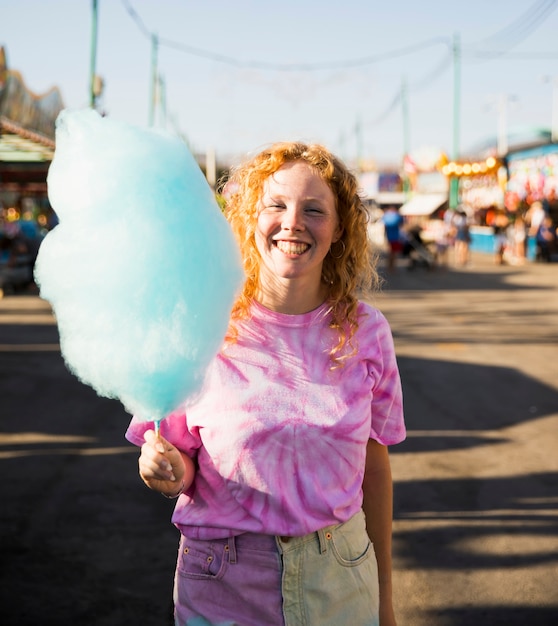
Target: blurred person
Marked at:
519, 240
535, 215
281, 465
546, 240
442, 242
500, 225
393, 223
462, 238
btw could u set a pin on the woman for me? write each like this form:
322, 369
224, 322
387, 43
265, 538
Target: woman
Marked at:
281, 463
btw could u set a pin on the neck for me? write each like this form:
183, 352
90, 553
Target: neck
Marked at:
291, 297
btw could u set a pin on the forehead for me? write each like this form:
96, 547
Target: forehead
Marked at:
296, 178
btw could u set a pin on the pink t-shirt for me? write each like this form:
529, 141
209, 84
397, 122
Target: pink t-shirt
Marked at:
278, 436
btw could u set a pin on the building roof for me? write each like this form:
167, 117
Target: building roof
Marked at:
18, 144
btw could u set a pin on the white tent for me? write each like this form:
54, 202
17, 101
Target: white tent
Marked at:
423, 204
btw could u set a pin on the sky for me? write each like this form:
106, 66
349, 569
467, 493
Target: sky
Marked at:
240, 74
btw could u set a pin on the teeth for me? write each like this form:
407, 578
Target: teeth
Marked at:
290, 247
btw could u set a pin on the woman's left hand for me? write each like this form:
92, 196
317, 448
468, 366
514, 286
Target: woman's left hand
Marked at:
387, 616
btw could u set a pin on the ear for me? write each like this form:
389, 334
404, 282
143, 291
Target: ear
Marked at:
337, 234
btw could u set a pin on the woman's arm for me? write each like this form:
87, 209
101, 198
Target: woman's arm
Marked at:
378, 507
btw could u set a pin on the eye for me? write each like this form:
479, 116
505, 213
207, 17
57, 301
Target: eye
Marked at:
269, 208
270, 204
313, 210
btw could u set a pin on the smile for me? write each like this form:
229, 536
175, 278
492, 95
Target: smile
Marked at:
292, 247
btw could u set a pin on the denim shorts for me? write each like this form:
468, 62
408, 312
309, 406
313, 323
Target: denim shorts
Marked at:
325, 578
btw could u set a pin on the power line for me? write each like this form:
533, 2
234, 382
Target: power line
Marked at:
137, 19
524, 24
415, 86
305, 67
388, 110
285, 67
496, 45
435, 73
519, 29
513, 56
510, 36
310, 67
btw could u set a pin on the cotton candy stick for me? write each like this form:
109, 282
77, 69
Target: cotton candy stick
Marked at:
142, 269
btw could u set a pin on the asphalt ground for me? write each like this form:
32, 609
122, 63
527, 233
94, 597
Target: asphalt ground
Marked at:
82, 541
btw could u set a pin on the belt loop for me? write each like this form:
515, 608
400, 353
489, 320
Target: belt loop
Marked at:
323, 541
231, 544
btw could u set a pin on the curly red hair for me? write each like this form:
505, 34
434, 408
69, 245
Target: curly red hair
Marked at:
348, 270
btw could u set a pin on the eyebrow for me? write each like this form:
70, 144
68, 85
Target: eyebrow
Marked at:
280, 196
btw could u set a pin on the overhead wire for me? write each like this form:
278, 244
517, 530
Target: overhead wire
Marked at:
305, 67
494, 46
284, 67
514, 33
415, 86
519, 29
310, 67
137, 19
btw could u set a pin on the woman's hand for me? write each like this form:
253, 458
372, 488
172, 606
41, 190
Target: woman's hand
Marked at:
387, 616
163, 467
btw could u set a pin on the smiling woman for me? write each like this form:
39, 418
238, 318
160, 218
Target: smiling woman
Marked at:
347, 270
297, 223
281, 466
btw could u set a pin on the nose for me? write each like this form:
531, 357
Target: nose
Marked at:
293, 219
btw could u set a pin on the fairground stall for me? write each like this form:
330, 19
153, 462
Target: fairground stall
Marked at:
27, 124
533, 177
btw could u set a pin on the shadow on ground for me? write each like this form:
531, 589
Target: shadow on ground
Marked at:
496, 616
469, 397
524, 508
475, 524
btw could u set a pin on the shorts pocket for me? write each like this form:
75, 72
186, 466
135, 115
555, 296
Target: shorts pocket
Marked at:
202, 560
350, 549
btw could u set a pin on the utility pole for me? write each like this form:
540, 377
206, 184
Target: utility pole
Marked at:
154, 72
162, 100
502, 116
93, 60
554, 118
406, 133
502, 140
342, 144
454, 181
211, 167
406, 119
358, 141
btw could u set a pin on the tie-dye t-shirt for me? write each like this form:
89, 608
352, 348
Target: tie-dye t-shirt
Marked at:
280, 437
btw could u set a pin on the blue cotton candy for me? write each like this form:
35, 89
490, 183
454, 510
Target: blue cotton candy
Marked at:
142, 269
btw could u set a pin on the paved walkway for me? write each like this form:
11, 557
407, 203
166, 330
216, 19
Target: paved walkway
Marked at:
476, 482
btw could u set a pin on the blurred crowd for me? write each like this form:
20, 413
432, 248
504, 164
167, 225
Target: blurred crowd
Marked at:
448, 238
512, 234
21, 234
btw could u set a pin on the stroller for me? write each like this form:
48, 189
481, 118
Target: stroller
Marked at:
417, 251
